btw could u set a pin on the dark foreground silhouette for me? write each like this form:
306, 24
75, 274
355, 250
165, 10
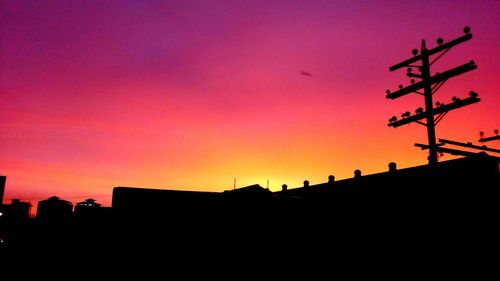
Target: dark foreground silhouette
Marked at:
415, 218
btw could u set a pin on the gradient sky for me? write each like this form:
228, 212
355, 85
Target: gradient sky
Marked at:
192, 94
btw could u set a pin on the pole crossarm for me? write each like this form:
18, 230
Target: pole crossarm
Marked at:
469, 145
439, 48
410, 74
438, 110
490, 138
447, 150
433, 80
426, 146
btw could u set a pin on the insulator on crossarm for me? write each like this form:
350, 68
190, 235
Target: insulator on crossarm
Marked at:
473, 94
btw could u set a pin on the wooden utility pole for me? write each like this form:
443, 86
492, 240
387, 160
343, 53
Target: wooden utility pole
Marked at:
430, 84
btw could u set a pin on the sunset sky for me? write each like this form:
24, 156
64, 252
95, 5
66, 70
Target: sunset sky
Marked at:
192, 94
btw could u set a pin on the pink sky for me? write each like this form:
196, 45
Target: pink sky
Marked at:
192, 94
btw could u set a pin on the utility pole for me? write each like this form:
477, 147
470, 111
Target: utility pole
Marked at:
430, 85
429, 117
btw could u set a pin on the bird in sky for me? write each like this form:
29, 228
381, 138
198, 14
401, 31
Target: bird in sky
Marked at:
302, 72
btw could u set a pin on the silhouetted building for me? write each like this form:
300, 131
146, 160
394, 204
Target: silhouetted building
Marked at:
88, 209
54, 209
88, 204
2, 188
434, 213
140, 200
140, 204
463, 178
251, 191
17, 211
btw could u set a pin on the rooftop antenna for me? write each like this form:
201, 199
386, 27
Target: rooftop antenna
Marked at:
234, 184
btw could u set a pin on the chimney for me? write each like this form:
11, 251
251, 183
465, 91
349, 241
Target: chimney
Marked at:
357, 174
392, 167
331, 179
